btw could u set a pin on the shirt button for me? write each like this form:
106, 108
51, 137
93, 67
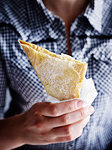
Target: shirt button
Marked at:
61, 37
70, 147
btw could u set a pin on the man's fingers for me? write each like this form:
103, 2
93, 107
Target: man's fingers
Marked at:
70, 130
58, 109
69, 118
68, 133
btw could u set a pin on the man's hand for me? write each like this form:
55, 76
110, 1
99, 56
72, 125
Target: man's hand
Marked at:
47, 123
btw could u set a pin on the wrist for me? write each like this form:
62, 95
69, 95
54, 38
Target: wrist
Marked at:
18, 130
11, 134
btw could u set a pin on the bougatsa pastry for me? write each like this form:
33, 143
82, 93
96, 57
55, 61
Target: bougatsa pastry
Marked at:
61, 75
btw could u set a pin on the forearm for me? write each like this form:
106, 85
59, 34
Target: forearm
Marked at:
11, 132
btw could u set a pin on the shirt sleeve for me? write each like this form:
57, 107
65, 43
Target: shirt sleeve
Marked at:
2, 87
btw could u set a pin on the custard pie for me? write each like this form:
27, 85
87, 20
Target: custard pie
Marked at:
61, 75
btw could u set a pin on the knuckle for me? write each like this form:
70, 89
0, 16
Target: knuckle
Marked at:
65, 119
40, 125
35, 113
53, 110
70, 106
82, 113
68, 131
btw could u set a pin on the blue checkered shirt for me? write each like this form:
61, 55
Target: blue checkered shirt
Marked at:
91, 41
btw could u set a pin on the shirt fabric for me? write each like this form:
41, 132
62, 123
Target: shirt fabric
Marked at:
91, 41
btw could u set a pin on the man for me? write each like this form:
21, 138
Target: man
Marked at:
80, 28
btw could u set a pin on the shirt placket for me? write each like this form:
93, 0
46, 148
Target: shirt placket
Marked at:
57, 31
76, 42
61, 48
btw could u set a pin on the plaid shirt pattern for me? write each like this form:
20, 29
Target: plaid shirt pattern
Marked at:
91, 41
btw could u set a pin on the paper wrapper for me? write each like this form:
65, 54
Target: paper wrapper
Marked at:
87, 94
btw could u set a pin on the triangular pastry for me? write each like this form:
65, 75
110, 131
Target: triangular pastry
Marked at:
61, 75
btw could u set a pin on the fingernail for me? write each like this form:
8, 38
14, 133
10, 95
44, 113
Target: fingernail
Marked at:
91, 110
79, 104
